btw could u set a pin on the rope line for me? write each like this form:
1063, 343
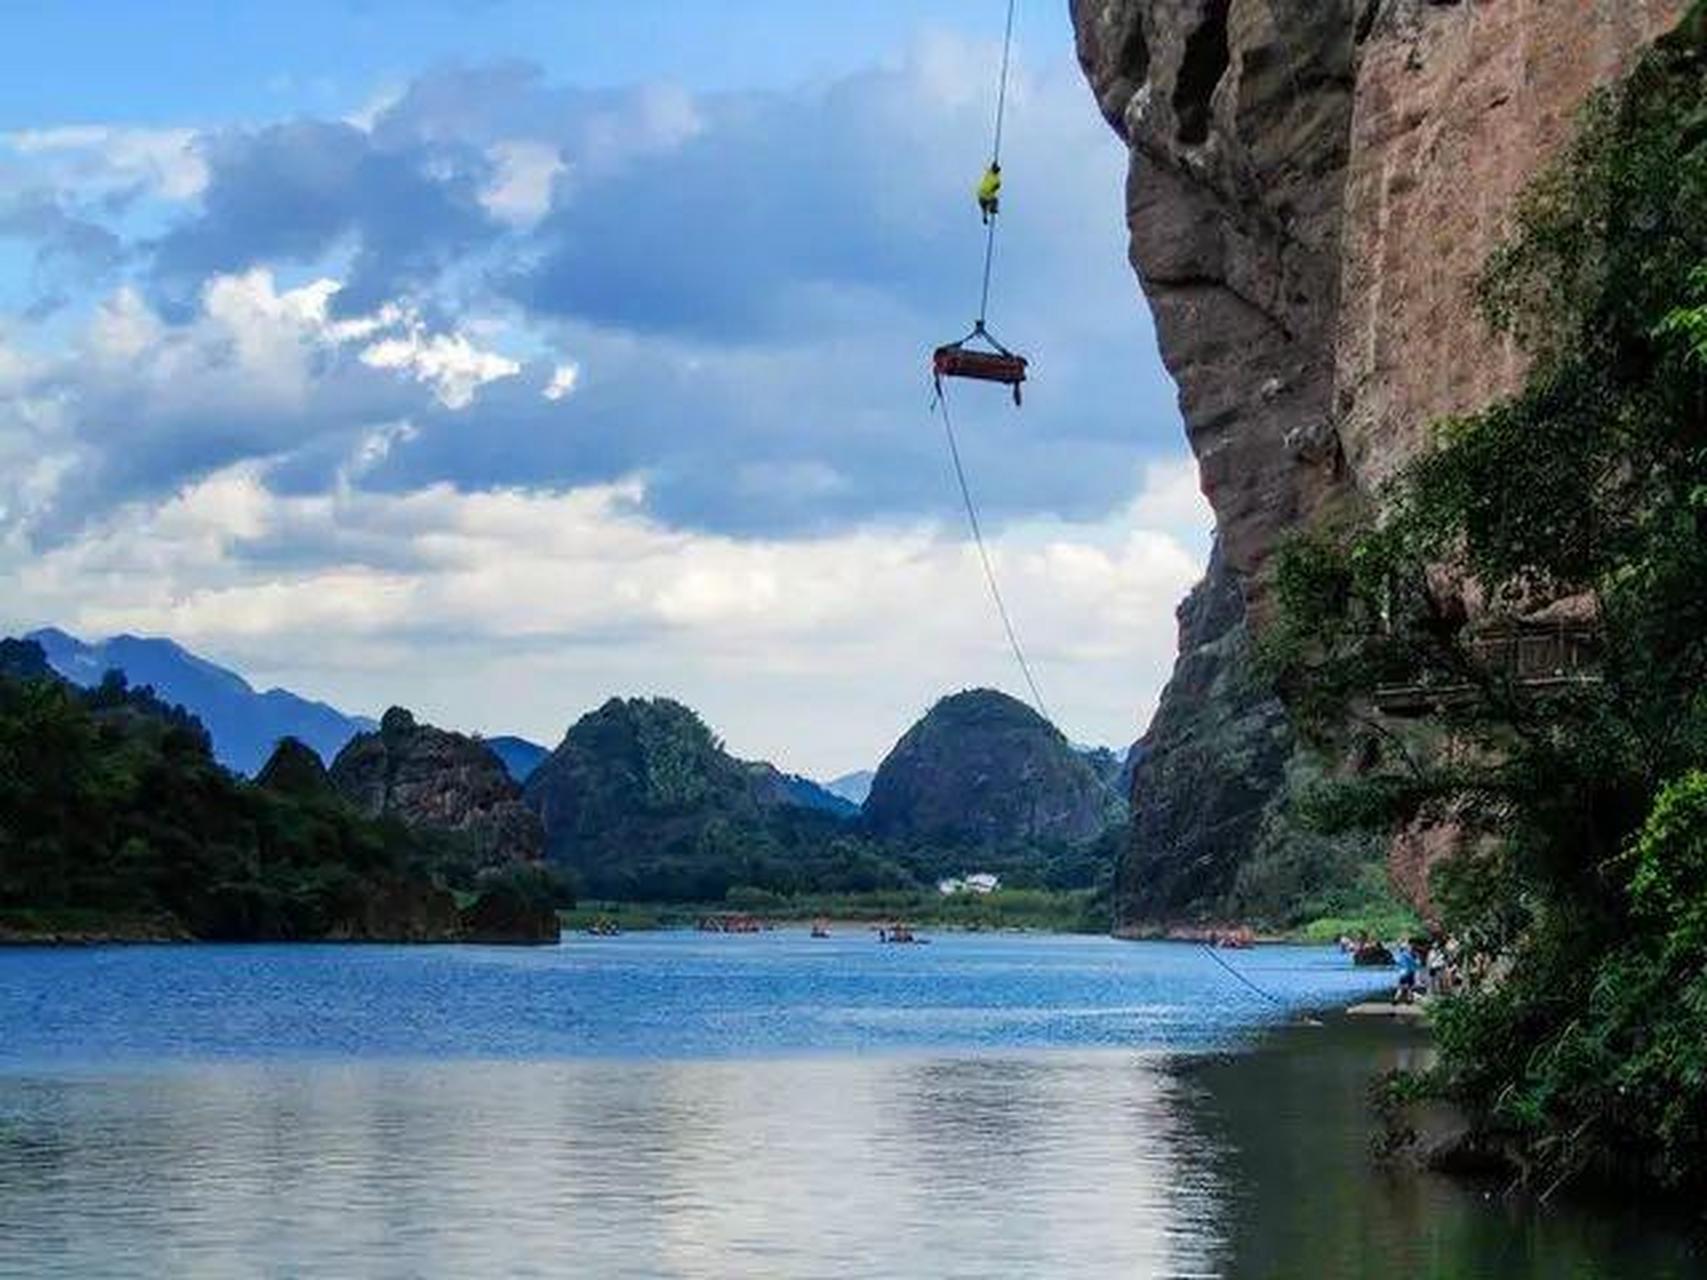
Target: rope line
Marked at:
1216, 957
1002, 89
989, 258
996, 160
984, 558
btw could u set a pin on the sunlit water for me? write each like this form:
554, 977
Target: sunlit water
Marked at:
676, 1105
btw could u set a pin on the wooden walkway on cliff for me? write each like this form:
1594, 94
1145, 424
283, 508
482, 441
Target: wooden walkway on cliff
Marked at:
1542, 661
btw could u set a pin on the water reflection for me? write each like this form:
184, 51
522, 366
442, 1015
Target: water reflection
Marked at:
1040, 1164
1288, 1125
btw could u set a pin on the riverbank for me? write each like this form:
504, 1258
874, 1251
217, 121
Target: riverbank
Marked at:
482, 922
1322, 931
1017, 910
1024, 910
1288, 1128
78, 928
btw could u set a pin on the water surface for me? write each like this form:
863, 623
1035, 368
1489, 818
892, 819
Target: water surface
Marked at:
678, 1105
661, 995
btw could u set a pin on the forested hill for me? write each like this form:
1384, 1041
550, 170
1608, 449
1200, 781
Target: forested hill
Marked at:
985, 770
116, 820
641, 801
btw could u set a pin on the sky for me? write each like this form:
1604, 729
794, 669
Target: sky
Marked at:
493, 357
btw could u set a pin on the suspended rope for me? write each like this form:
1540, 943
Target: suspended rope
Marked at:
996, 160
1216, 957
1002, 86
992, 362
989, 261
957, 360
984, 557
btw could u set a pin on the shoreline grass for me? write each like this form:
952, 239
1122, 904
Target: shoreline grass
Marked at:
1037, 910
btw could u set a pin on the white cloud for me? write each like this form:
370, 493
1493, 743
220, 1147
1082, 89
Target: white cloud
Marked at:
564, 379
1171, 497
376, 446
365, 116
520, 192
658, 119
447, 362
816, 652
256, 344
123, 328
110, 157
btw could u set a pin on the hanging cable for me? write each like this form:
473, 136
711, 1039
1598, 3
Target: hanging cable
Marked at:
1266, 995
1002, 86
989, 259
984, 558
996, 160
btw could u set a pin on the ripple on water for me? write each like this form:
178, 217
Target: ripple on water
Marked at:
649, 1106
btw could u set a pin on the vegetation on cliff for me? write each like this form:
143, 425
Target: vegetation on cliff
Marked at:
1580, 789
447, 784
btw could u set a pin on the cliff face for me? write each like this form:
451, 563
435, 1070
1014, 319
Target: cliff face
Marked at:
1211, 769
1238, 116
982, 768
1314, 185
444, 781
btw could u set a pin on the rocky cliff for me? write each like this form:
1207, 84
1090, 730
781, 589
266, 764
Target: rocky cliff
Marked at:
1313, 187
982, 768
431, 778
1212, 764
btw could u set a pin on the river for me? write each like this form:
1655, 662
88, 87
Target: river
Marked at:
685, 1105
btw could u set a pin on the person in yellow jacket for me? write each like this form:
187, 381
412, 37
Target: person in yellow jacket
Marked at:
990, 191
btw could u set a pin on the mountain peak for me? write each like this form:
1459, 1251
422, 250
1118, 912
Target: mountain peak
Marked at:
439, 780
984, 768
243, 724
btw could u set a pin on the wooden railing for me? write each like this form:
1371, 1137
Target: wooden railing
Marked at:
1541, 660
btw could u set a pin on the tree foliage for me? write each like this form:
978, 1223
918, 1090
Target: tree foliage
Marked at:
1582, 797
641, 803
112, 806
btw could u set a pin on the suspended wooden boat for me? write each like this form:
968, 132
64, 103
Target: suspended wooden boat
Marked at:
957, 360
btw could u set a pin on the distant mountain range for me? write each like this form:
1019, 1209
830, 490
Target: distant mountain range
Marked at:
640, 800
852, 787
520, 756
775, 787
245, 724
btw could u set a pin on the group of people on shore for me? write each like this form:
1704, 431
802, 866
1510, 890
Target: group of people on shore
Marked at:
1427, 964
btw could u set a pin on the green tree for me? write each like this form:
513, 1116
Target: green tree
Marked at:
1588, 487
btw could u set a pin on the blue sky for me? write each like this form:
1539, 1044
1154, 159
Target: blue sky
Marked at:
215, 61
494, 357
